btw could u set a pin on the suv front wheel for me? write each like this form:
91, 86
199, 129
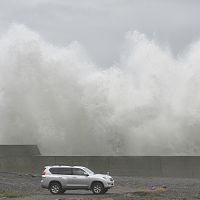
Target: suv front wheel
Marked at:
55, 188
97, 188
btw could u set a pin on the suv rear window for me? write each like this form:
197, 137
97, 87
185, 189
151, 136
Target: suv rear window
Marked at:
61, 170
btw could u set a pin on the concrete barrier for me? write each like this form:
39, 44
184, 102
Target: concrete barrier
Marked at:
16, 164
19, 150
145, 166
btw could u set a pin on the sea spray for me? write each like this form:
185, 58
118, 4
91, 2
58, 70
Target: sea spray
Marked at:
148, 103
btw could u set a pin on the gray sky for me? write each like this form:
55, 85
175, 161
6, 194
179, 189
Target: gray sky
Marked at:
100, 25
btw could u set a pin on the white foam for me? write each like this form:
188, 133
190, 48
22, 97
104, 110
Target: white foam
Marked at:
147, 104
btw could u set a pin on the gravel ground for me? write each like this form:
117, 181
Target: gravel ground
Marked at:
126, 188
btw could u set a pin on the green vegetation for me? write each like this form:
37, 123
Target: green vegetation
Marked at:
10, 194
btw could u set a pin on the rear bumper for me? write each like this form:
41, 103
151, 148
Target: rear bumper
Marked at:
43, 185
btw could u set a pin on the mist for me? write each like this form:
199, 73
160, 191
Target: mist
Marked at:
147, 103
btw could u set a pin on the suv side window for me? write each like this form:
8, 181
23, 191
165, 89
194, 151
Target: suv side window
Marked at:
78, 171
61, 170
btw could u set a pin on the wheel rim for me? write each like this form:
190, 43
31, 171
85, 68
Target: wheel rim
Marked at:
55, 188
97, 188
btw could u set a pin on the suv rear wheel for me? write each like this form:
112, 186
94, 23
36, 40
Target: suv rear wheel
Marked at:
97, 188
55, 188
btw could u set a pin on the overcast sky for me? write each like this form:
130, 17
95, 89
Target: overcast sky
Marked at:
100, 25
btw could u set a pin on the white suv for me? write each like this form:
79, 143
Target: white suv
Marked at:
58, 179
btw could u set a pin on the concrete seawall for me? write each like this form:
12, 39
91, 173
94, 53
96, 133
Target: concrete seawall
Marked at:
146, 166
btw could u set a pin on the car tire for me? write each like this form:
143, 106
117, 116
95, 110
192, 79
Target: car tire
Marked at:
55, 188
97, 188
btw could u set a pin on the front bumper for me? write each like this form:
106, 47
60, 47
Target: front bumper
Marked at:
109, 184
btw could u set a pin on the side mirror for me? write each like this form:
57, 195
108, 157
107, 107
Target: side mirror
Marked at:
86, 174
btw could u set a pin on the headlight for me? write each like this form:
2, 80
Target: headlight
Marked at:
108, 178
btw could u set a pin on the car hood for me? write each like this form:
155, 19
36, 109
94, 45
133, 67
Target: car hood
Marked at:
101, 176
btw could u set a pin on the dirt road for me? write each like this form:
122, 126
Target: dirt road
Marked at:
27, 187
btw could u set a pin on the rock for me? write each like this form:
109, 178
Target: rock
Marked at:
153, 187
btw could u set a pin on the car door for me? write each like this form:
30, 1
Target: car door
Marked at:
61, 174
79, 178
66, 176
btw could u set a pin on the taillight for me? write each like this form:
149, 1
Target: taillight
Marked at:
43, 173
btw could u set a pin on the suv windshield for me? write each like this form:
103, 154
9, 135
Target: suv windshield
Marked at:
90, 172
